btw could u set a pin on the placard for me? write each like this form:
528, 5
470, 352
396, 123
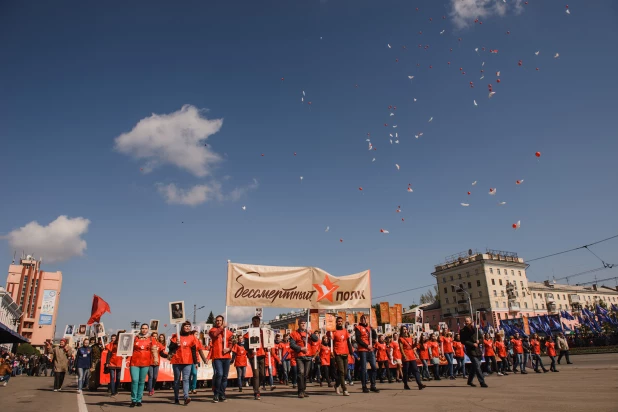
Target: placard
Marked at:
99, 329
81, 330
269, 337
154, 325
254, 338
330, 322
68, 331
177, 312
125, 344
259, 312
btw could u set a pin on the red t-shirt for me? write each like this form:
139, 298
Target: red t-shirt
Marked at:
517, 346
300, 338
500, 348
115, 362
536, 346
325, 355
459, 349
142, 352
340, 342
351, 359
183, 355
489, 348
284, 350
241, 355
216, 338
380, 349
551, 351
447, 344
423, 353
408, 348
396, 352
435, 351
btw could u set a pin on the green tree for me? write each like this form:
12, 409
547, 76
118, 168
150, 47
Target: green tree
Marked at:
211, 318
431, 295
28, 350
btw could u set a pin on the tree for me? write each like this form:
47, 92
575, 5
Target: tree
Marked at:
27, 349
211, 318
412, 306
602, 304
431, 295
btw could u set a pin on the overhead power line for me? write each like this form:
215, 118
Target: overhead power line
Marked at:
571, 250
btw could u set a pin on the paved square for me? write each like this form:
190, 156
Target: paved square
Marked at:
590, 384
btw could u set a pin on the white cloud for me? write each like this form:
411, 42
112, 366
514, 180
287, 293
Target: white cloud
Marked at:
464, 12
58, 241
201, 193
177, 138
239, 314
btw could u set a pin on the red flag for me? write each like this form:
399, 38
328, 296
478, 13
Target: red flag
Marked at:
99, 307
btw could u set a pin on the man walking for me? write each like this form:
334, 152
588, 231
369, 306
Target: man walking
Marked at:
563, 347
258, 373
221, 344
342, 347
470, 338
305, 351
365, 338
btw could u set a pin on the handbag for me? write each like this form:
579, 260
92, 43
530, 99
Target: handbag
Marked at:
435, 361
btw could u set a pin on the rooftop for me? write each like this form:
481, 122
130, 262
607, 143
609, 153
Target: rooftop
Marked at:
471, 256
548, 286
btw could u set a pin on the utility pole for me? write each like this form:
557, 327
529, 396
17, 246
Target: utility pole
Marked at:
194, 314
135, 324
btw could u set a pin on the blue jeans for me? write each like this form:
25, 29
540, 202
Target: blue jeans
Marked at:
114, 380
293, 373
285, 368
537, 362
518, 360
193, 378
185, 371
525, 361
5, 378
153, 374
221, 370
138, 380
365, 375
449, 359
83, 374
425, 372
240, 373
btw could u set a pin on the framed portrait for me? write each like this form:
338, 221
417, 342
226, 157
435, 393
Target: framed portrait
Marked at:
68, 330
125, 344
99, 330
154, 325
81, 330
269, 337
177, 312
254, 338
259, 312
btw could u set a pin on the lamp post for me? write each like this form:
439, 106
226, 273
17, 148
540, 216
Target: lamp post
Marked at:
459, 290
195, 309
134, 324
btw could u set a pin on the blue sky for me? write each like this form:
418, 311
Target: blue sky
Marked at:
75, 76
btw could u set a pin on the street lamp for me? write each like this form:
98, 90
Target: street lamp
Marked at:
195, 309
135, 324
460, 290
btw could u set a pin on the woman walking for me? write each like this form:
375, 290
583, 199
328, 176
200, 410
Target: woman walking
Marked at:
325, 353
382, 359
449, 353
183, 352
60, 360
408, 357
153, 370
423, 350
394, 353
535, 346
502, 353
240, 361
434, 355
83, 363
458, 349
113, 363
490, 354
145, 353
551, 352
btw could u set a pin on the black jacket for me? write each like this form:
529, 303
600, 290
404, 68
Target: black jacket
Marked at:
469, 336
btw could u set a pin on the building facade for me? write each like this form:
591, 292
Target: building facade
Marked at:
10, 313
494, 285
38, 295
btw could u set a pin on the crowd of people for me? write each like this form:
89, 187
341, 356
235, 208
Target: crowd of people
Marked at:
337, 359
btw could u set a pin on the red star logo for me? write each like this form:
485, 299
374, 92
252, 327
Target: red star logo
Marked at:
326, 289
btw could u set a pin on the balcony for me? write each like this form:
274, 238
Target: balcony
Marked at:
551, 307
514, 307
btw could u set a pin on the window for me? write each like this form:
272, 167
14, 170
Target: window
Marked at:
504, 304
447, 300
495, 293
467, 274
451, 278
445, 290
480, 294
502, 293
534, 295
558, 295
443, 280
433, 317
536, 305
526, 305
521, 282
517, 293
476, 271
499, 315
500, 282
512, 273
519, 271
478, 283
448, 310
491, 270
497, 304
542, 306
469, 285
459, 276
560, 306
498, 271
493, 281
452, 288
564, 297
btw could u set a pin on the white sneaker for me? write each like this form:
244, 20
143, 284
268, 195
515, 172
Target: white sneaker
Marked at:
351, 383
500, 374
338, 390
79, 391
55, 390
4, 384
346, 393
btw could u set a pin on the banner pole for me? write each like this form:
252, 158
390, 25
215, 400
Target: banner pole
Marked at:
225, 328
309, 326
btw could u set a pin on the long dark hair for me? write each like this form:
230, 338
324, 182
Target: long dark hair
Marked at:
182, 329
421, 342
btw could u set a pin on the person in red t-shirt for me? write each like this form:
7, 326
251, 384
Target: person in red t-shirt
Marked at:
259, 373
551, 352
183, 352
382, 358
518, 353
221, 341
490, 354
343, 353
434, 355
325, 355
144, 353
394, 355
446, 341
153, 370
113, 363
423, 351
240, 360
535, 347
408, 357
500, 348
460, 354
303, 344
284, 354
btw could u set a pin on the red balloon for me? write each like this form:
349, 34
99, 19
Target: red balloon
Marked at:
538, 154
469, 193
294, 153
360, 188
282, 79
341, 240
498, 81
514, 225
262, 154
165, 325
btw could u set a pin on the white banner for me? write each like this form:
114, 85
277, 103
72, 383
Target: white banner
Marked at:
295, 287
